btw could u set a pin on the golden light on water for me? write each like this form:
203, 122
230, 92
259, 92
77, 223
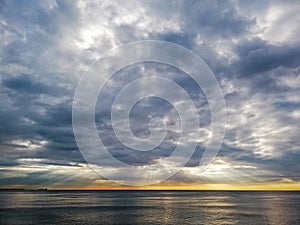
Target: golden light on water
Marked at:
173, 185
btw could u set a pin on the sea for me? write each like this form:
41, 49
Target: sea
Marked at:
149, 207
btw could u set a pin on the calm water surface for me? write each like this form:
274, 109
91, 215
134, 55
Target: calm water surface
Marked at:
149, 207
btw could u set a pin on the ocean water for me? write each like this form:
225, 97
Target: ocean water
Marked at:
149, 207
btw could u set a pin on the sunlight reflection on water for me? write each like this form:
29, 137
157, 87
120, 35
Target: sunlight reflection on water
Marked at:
150, 207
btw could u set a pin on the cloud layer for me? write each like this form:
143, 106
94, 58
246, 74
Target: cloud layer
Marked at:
252, 48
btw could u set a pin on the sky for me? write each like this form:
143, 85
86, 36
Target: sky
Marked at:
252, 47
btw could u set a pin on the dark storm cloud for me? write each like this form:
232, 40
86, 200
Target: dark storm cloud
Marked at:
33, 121
258, 56
58, 115
211, 21
7, 162
47, 126
11, 123
25, 84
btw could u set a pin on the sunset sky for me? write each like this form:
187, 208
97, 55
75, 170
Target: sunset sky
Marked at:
252, 47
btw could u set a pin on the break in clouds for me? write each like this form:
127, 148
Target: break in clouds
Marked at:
252, 47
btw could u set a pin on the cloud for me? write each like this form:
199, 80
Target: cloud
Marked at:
258, 56
252, 47
24, 84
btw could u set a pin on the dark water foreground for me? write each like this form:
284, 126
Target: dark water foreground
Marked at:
149, 207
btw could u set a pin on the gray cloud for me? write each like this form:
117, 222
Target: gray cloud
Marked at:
25, 84
46, 47
258, 56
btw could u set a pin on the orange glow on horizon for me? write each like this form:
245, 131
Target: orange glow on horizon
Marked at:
289, 186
